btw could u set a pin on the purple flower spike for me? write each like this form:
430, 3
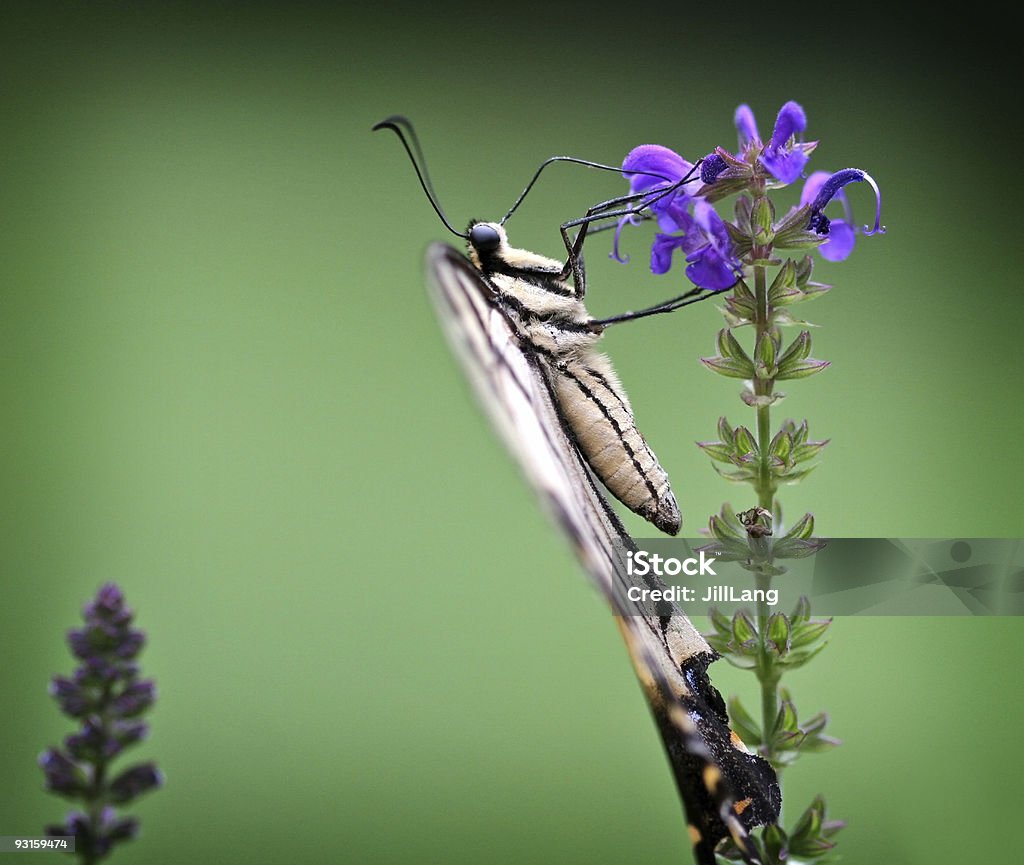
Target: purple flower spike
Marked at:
105, 694
785, 161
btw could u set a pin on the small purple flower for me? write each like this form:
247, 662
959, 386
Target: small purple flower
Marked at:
705, 241
63, 776
819, 190
784, 156
664, 170
135, 781
701, 235
105, 694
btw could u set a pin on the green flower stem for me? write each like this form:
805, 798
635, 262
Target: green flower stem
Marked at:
765, 488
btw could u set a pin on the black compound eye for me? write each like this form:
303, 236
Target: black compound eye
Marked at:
485, 238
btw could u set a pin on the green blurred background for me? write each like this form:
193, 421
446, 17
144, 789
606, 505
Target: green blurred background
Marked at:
225, 390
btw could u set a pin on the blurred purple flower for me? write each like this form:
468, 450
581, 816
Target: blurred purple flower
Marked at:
105, 694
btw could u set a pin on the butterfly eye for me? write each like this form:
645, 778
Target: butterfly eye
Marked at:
485, 238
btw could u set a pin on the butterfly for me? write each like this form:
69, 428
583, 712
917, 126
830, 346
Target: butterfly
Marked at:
526, 344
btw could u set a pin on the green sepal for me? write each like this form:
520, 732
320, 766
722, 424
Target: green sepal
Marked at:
724, 430
797, 350
728, 367
793, 476
797, 548
808, 451
765, 351
803, 528
776, 844
720, 622
742, 212
799, 240
801, 369
802, 610
744, 475
762, 218
781, 447
722, 530
796, 219
744, 724
778, 634
797, 659
717, 451
808, 632
744, 444
744, 631
812, 834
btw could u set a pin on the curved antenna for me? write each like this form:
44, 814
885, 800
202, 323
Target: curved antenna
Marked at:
402, 127
574, 160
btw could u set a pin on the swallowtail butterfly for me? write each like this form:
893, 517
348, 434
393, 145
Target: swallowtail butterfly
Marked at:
526, 344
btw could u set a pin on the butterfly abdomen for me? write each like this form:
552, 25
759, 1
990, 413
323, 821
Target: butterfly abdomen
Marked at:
598, 415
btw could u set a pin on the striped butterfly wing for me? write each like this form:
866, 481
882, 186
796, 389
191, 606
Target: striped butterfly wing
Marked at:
725, 789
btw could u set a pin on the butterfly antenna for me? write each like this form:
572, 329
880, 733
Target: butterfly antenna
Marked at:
403, 128
575, 161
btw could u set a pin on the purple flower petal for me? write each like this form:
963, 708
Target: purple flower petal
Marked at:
785, 165
791, 120
783, 161
709, 270
841, 238
667, 164
661, 252
811, 187
746, 126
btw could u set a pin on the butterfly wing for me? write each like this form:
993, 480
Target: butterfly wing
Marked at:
725, 789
